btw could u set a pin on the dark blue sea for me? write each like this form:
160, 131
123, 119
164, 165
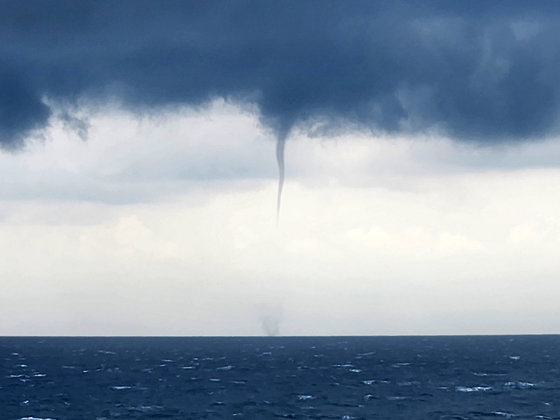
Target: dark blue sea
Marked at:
463, 377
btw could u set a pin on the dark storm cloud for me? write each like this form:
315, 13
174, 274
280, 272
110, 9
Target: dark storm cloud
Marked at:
481, 71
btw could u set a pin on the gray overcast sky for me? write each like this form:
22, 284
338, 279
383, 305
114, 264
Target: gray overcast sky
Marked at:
138, 172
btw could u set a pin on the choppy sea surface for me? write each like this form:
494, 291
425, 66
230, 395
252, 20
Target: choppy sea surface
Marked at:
463, 377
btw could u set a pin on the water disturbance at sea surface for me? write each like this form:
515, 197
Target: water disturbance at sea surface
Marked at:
470, 377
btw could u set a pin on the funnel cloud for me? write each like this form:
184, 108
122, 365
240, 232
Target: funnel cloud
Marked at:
280, 147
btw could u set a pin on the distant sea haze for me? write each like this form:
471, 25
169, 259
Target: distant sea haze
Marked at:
461, 377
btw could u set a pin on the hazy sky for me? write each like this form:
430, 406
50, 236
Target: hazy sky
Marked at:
138, 174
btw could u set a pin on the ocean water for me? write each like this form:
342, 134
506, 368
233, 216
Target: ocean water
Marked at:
467, 377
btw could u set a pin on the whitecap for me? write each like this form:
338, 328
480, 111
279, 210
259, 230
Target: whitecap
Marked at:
120, 387
355, 370
303, 397
147, 409
519, 385
373, 381
400, 364
36, 418
215, 380
488, 374
473, 389
503, 414
407, 383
